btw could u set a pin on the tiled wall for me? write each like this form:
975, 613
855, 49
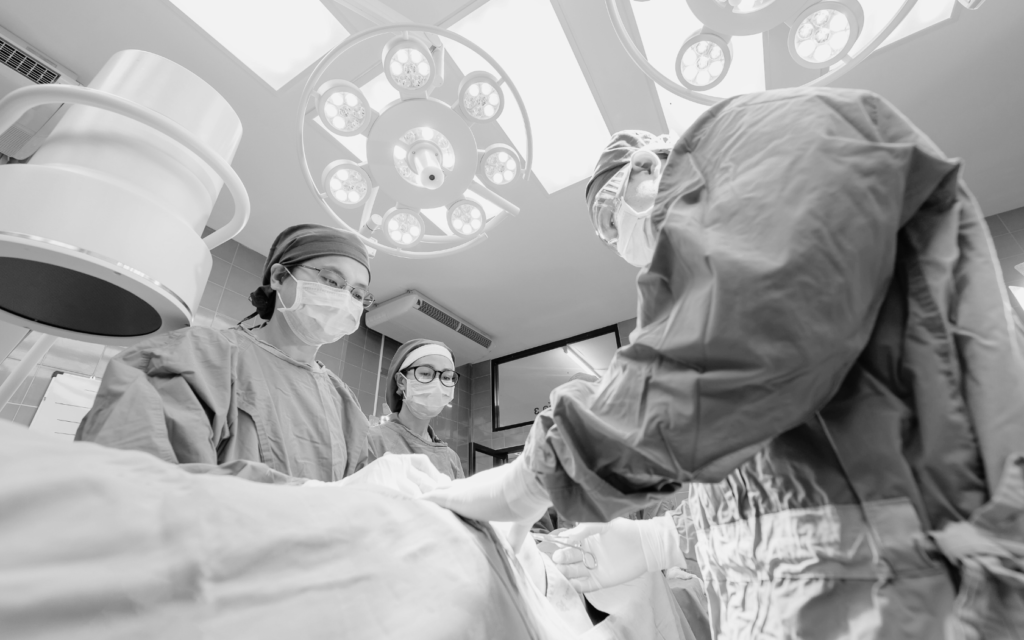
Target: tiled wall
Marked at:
481, 427
236, 272
65, 355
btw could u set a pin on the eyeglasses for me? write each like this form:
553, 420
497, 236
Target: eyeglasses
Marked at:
425, 374
335, 280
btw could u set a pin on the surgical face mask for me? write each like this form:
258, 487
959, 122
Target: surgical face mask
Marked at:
636, 240
426, 400
321, 314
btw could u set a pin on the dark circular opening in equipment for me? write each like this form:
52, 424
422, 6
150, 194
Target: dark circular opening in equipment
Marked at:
66, 299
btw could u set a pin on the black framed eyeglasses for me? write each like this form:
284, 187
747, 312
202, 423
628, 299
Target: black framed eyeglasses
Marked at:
333, 279
425, 374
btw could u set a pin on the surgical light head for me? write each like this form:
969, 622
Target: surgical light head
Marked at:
101, 231
825, 32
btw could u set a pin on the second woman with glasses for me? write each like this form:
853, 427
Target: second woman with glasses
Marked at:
420, 384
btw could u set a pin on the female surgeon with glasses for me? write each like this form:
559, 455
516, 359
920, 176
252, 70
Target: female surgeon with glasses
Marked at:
253, 402
420, 384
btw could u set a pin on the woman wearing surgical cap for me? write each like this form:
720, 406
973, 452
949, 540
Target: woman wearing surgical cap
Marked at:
421, 383
252, 403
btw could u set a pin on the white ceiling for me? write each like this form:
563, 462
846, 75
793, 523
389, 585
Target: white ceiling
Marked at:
542, 276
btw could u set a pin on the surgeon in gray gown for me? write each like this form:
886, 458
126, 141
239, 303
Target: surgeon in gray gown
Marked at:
420, 384
253, 403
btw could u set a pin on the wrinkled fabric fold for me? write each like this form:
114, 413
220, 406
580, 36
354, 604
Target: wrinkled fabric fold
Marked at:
988, 551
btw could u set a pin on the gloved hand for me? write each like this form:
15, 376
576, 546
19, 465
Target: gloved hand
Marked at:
624, 550
509, 493
412, 474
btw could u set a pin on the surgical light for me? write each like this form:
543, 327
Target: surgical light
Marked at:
101, 231
343, 108
404, 227
347, 183
466, 218
824, 32
422, 183
703, 61
831, 35
422, 156
480, 97
499, 164
408, 65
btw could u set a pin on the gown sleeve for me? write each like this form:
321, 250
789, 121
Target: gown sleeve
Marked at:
173, 396
456, 464
375, 446
778, 237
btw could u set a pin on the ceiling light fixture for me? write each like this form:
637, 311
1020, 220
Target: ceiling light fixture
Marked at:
409, 66
466, 218
404, 227
823, 34
343, 108
703, 61
480, 96
499, 164
421, 154
347, 183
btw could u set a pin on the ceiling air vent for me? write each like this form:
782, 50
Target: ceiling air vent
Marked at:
437, 314
22, 66
412, 315
475, 336
25, 65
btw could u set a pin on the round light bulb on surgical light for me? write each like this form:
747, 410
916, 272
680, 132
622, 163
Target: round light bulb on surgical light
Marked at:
466, 218
409, 66
403, 227
703, 61
480, 97
346, 183
824, 33
343, 109
500, 164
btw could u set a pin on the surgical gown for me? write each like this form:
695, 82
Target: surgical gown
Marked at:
394, 437
225, 402
825, 349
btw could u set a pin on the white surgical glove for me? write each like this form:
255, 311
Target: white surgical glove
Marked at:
509, 493
412, 474
623, 550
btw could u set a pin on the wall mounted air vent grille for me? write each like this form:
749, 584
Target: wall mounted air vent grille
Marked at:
475, 336
435, 313
25, 64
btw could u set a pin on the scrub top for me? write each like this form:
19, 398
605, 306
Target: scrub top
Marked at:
226, 402
394, 437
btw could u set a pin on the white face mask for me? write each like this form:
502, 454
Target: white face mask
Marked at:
427, 400
636, 240
321, 314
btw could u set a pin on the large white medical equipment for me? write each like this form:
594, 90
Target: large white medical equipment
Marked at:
101, 230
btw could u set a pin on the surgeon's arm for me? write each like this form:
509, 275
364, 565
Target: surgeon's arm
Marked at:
172, 397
